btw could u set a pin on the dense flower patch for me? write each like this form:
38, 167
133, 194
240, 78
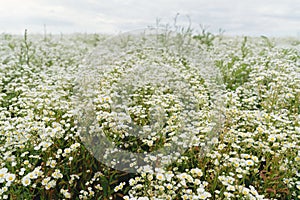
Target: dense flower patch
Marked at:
217, 120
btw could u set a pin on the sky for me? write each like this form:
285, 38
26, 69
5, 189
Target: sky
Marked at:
235, 17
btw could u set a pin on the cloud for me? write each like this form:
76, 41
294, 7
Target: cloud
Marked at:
251, 17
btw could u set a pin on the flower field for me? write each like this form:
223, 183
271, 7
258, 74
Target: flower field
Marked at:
149, 115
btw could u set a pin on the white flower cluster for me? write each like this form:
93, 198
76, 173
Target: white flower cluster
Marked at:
217, 119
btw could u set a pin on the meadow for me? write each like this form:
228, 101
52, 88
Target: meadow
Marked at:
156, 114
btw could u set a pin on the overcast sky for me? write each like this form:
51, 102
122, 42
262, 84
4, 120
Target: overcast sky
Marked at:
236, 17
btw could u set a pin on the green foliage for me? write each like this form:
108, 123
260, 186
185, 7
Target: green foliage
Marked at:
205, 37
